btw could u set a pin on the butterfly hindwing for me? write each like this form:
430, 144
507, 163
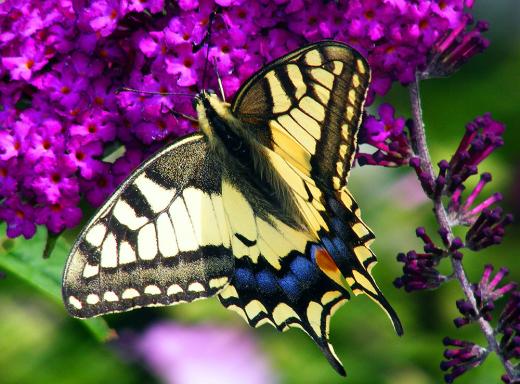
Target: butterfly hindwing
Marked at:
162, 238
276, 280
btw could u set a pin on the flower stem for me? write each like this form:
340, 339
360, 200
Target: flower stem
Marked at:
418, 138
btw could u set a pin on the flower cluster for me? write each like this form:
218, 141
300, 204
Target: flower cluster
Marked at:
460, 357
420, 270
388, 136
61, 63
486, 293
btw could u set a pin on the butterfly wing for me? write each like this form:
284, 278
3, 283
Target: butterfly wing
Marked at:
162, 238
306, 108
276, 280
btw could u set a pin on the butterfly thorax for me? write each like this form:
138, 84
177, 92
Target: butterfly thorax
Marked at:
247, 166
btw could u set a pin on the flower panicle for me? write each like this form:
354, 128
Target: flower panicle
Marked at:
486, 293
461, 356
487, 224
456, 47
387, 135
420, 268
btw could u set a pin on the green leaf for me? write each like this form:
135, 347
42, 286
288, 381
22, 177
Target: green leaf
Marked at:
24, 258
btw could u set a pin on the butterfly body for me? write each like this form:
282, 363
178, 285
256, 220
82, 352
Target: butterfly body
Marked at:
253, 207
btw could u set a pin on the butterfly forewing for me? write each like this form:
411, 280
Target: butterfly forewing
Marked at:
307, 107
162, 238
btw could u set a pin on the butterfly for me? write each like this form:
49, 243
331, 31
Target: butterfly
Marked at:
252, 208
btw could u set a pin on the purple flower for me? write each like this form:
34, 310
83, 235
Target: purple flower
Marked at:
420, 269
456, 47
62, 62
59, 216
183, 66
53, 180
176, 354
29, 59
387, 135
19, 217
460, 357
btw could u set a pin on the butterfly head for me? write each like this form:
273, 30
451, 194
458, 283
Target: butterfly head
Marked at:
216, 120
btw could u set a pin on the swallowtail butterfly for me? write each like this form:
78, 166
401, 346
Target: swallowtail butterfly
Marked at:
252, 208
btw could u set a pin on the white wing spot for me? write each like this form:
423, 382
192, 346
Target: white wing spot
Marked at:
360, 230
329, 296
253, 308
174, 289
158, 197
109, 252
166, 236
339, 168
130, 293
338, 67
126, 215
196, 287
229, 291
92, 299
355, 80
110, 296
297, 79
96, 234
152, 290
218, 282
75, 302
126, 253
352, 96
350, 112
90, 270
323, 77
360, 66
147, 242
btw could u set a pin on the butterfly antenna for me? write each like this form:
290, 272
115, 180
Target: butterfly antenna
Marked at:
207, 40
219, 80
133, 90
179, 114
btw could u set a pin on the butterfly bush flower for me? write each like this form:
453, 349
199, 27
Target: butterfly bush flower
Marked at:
62, 63
176, 354
388, 136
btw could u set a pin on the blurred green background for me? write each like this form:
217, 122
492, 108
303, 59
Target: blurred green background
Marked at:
40, 343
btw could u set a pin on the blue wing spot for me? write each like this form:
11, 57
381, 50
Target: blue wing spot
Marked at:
267, 282
291, 286
340, 246
244, 278
338, 226
314, 249
304, 270
329, 246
